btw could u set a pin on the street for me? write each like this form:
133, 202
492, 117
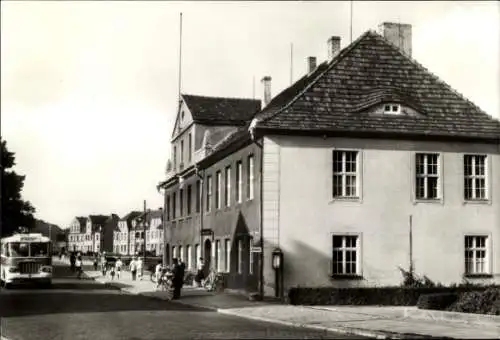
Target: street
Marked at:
85, 309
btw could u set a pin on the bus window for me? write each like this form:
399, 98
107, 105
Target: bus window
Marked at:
39, 249
18, 249
4, 249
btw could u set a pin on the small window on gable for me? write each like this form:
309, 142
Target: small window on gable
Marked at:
392, 109
182, 116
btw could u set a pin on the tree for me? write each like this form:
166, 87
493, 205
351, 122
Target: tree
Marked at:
15, 212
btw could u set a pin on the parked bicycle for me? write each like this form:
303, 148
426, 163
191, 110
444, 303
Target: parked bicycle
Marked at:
214, 282
166, 283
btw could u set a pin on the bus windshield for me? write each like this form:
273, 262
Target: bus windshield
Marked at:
26, 249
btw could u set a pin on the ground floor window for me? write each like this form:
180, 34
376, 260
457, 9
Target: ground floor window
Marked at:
197, 251
227, 258
250, 257
240, 257
189, 258
346, 259
181, 254
476, 255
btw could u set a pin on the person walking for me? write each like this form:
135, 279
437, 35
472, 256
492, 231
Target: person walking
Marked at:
182, 268
78, 266
140, 265
118, 268
158, 273
103, 264
95, 262
72, 259
200, 274
133, 268
177, 281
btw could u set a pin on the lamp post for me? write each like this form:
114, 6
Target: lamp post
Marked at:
144, 223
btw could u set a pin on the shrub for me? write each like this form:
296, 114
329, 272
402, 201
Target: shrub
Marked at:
387, 296
437, 301
481, 302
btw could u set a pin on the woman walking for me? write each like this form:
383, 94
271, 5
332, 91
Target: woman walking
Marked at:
78, 266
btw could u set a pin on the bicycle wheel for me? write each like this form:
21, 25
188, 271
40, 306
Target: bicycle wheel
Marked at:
152, 277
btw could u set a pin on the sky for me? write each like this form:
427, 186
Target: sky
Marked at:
89, 90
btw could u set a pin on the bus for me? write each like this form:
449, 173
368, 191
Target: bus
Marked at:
26, 258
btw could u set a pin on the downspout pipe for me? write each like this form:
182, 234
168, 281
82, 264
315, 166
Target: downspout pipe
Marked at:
261, 204
201, 175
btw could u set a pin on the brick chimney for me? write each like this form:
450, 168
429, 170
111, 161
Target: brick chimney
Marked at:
311, 63
266, 81
333, 47
397, 34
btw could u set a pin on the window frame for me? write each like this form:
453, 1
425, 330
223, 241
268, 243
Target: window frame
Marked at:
227, 257
218, 189
487, 176
239, 182
488, 256
250, 177
440, 171
198, 196
359, 174
181, 202
240, 256
227, 186
359, 255
391, 107
189, 198
250, 256
218, 253
209, 194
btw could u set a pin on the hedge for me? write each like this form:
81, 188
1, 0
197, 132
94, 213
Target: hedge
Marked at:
485, 302
387, 296
436, 301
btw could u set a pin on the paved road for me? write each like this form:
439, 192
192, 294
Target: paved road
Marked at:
83, 309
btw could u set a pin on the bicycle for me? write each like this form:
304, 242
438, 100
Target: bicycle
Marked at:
214, 282
166, 285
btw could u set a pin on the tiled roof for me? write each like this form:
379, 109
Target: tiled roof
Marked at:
131, 215
83, 223
221, 111
338, 97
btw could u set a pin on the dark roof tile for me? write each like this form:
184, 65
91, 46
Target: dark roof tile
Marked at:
371, 71
221, 111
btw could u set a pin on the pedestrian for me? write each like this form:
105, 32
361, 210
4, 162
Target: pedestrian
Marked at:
72, 260
133, 268
118, 267
200, 274
78, 266
158, 273
177, 281
95, 262
103, 264
139, 268
182, 268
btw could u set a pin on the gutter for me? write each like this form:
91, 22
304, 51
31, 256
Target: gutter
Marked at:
253, 138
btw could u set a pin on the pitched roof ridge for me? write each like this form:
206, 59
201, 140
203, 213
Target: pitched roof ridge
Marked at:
228, 136
434, 76
217, 97
345, 51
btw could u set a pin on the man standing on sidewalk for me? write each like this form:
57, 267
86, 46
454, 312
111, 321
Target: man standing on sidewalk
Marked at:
133, 268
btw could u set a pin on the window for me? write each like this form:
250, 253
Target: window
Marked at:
427, 176
198, 195
181, 202
475, 177
476, 255
175, 157
209, 192
227, 187
189, 257
197, 251
250, 257
174, 254
240, 256
182, 153
217, 256
345, 174
190, 147
174, 199
345, 255
250, 167
393, 109
181, 254
227, 258
189, 199
218, 190
239, 182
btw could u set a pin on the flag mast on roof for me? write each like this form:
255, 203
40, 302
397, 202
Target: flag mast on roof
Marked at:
180, 62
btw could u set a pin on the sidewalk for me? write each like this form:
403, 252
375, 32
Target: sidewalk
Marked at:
370, 321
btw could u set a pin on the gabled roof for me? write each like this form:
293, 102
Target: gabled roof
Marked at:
83, 223
221, 111
336, 98
130, 216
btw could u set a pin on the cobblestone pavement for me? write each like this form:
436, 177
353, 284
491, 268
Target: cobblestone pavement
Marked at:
85, 309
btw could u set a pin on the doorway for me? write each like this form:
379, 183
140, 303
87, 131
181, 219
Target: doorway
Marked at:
207, 255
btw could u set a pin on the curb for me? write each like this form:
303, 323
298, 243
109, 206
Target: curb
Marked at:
340, 329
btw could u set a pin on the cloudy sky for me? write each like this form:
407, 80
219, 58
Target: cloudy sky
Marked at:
89, 89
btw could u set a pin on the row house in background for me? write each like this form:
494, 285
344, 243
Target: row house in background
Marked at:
367, 164
154, 233
92, 234
121, 238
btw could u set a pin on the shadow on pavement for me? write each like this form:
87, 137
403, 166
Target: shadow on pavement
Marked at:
15, 305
